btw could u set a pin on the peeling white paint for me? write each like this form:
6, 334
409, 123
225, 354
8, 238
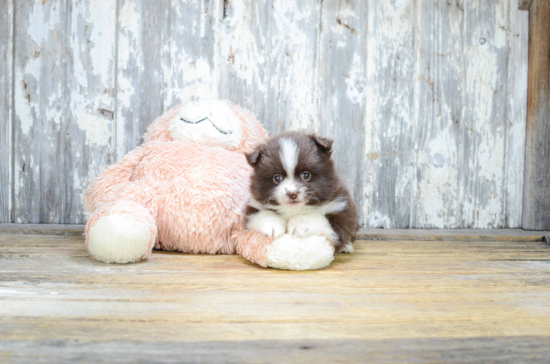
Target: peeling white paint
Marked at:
102, 37
270, 59
41, 21
355, 80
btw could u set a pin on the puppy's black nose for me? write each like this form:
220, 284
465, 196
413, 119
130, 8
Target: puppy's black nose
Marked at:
292, 195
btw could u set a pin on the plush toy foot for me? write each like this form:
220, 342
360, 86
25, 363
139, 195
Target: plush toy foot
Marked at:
114, 236
292, 253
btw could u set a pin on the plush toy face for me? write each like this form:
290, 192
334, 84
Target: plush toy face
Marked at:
210, 122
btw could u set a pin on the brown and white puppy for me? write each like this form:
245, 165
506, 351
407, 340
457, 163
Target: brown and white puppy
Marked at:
295, 189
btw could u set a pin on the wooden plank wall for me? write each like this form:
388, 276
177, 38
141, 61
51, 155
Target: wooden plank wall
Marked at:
537, 160
426, 99
6, 99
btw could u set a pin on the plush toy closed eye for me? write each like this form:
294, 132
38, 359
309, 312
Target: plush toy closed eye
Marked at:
186, 189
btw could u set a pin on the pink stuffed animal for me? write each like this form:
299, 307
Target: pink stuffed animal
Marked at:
186, 189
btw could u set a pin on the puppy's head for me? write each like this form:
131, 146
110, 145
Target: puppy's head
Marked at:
293, 169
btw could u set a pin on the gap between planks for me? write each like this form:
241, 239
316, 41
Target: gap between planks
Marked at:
364, 234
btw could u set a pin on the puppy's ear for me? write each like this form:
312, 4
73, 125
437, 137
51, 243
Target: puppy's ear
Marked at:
254, 157
324, 144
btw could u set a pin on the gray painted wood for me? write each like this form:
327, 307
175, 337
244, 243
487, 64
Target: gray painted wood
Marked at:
269, 61
6, 87
536, 198
40, 165
501, 349
484, 131
440, 118
389, 119
142, 37
425, 99
166, 54
64, 78
343, 70
516, 113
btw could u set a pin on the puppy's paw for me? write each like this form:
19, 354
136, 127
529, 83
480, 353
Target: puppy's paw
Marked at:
272, 226
267, 223
346, 249
306, 225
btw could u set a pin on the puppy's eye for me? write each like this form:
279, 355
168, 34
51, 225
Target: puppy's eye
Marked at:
277, 178
306, 176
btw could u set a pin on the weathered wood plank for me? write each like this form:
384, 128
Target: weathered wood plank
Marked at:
440, 118
91, 96
516, 114
192, 69
42, 229
363, 234
142, 32
524, 4
159, 69
298, 65
6, 108
63, 104
536, 197
40, 165
388, 172
486, 48
343, 61
392, 299
269, 61
469, 235
512, 349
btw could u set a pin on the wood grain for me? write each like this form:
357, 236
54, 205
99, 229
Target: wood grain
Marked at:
343, 66
6, 88
524, 4
484, 134
388, 299
511, 349
63, 106
516, 114
363, 234
536, 197
166, 54
388, 171
270, 61
440, 120
425, 99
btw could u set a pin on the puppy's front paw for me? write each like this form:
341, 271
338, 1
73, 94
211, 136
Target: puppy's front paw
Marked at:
346, 249
267, 223
272, 226
309, 225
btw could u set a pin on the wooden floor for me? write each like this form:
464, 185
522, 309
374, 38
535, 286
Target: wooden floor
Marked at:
390, 301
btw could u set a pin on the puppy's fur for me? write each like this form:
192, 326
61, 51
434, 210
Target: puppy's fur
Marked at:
295, 189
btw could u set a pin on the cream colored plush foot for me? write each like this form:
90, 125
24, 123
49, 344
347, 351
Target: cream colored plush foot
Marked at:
292, 253
119, 239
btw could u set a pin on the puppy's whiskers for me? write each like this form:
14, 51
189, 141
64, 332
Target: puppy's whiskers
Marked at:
313, 197
267, 200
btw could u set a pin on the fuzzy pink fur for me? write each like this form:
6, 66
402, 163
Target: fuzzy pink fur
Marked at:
192, 196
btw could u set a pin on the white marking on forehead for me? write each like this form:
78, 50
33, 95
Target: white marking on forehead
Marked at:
289, 156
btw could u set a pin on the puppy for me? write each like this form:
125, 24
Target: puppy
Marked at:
295, 189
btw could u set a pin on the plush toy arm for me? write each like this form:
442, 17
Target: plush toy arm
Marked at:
252, 246
285, 252
107, 185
